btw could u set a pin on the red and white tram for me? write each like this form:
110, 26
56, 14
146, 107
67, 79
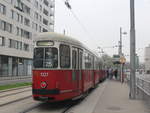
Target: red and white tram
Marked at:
63, 68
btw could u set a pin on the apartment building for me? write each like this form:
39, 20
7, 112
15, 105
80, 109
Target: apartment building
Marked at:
20, 21
147, 59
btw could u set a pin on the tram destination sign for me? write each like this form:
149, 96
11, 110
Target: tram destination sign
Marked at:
45, 43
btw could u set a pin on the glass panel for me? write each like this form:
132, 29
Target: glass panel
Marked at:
45, 43
38, 57
64, 56
45, 58
51, 58
74, 53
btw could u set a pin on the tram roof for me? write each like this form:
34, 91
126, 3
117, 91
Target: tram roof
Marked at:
61, 38
57, 37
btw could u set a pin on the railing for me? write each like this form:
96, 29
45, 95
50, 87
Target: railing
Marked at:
143, 84
14, 77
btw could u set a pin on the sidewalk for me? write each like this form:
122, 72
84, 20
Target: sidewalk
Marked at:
115, 99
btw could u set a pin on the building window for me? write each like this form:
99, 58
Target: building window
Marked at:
21, 18
4, 65
36, 28
12, 14
3, 25
26, 9
19, 5
45, 12
9, 27
40, 29
40, 18
26, 34
46, 2
45, 30
36, 4
22, 34
2, 41
28, 0
26, 22
40, 8
18, 31
36, 15
17, 44
26, 47
2, 9
10, 43
20, 45
45, 21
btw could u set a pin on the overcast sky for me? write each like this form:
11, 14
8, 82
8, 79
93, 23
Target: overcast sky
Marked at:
102, 20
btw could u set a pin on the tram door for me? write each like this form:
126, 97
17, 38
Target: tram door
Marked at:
80, 68
75, 78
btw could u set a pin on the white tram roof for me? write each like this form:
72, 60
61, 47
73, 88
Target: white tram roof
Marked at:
57, 37
60, 38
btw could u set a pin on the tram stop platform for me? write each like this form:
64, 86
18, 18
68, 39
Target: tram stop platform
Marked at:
115, 99
111, 96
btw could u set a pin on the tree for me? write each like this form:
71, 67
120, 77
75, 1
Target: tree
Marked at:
107, 61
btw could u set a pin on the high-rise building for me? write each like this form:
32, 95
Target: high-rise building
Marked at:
147, 59
20, 21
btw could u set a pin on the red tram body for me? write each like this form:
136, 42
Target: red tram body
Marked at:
63, 68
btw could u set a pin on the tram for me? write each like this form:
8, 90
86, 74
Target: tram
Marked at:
63, 68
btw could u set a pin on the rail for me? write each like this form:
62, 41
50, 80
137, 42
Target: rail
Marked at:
14, 77
143, 84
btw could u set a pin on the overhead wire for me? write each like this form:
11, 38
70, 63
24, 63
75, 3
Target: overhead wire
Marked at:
76, 17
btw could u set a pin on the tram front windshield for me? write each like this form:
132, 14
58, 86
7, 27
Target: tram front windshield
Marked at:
45, 57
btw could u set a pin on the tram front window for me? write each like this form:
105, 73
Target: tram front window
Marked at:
45, 58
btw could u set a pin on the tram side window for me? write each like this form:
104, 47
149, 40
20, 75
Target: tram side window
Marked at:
38, 57
64, 56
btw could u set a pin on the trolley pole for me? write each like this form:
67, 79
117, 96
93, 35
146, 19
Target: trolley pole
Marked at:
132, 94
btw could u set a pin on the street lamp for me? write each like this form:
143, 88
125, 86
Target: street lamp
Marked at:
121, 54
120, 42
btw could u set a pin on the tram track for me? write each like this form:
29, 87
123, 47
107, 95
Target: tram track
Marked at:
16, 100
14, 93
13, 89
31, 108
62, 108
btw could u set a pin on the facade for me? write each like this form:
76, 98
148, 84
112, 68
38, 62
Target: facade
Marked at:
147, 59
20, 21
136, 61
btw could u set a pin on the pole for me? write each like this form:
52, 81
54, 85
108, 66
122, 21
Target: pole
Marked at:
132, 52
120, 53
120, 41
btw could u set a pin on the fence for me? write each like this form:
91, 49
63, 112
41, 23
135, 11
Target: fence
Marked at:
143, 84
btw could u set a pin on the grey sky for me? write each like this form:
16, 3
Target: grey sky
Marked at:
102, 19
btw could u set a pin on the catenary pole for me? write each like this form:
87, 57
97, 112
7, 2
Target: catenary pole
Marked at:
132, 94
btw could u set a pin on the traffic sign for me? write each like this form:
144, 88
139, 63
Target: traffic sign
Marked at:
122, 59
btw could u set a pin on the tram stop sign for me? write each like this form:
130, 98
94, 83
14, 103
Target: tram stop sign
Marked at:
122, 60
